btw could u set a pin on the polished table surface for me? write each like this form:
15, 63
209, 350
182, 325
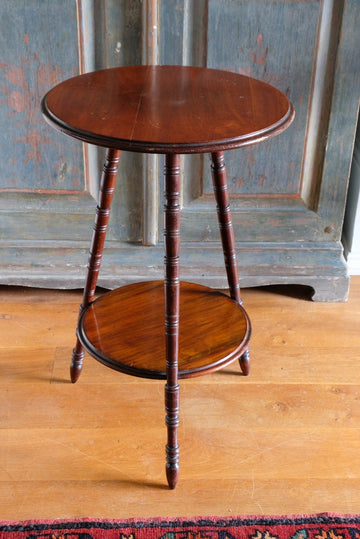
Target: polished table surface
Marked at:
124, 329
167, 109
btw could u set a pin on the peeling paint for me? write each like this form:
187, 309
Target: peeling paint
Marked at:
24, 103
260, 54
16, 101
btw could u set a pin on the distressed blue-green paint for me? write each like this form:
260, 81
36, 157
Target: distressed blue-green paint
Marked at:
343, 120
274, 42
38, 50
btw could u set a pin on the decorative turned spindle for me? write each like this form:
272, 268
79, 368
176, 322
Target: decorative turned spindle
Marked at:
107, 187
172, 301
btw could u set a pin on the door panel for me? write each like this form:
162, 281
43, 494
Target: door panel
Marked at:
268, 181
33, 156
43, 192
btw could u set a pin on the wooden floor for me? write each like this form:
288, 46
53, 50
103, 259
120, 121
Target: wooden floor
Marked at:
284, 440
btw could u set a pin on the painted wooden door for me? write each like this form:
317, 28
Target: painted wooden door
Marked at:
288, 194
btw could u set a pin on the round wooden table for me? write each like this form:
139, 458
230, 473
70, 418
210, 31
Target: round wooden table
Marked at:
165, 330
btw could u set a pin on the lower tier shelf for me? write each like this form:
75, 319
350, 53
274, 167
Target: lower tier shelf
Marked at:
125, 330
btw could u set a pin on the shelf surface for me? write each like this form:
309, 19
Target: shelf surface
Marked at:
125, 330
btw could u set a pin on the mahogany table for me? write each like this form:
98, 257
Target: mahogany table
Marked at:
165, 330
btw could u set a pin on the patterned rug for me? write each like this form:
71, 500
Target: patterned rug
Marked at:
323, 526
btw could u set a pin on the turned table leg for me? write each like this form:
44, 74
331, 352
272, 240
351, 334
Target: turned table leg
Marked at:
107, 186
172, 300
219, 178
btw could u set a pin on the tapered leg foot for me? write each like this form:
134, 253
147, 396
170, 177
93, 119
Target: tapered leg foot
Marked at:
172, 423
172, 466
77, 361
245, 363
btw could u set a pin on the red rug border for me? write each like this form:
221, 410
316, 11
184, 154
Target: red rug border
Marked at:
188, 522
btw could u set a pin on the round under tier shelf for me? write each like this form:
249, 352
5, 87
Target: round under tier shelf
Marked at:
125, 330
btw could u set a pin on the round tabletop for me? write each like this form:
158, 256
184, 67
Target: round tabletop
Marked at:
167, 109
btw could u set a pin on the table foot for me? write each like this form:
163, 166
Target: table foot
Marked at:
172, 470
172, 423
77, 361
244, 361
